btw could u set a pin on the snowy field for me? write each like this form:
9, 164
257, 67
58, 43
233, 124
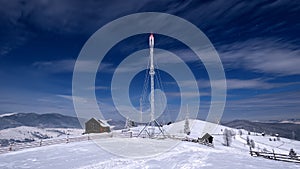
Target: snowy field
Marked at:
25, 132
101, 153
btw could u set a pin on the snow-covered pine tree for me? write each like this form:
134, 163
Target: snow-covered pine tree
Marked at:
248, 141
240, 132
292, 153
252, 143
128, 123
187, 129
227, 135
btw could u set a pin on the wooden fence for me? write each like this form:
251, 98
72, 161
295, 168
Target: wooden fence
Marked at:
275, 156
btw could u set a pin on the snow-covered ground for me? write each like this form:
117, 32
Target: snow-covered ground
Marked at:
199, 127
24, 132
101, 153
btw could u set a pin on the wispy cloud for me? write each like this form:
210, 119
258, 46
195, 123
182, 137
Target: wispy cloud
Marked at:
24, 20
279, 105
256, 37
107, 109
235, 84
247, 84
262, 55
99, 88
62, 66
35, 102
187, 94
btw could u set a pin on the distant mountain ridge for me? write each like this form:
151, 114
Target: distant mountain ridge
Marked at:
51, 120
283, 129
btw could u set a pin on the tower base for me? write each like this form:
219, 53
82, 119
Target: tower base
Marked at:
152, 134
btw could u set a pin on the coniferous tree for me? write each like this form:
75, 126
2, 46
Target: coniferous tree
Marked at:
292, 153
187, 129
227, 135
252, 143
240, 132
248, 141
128, 123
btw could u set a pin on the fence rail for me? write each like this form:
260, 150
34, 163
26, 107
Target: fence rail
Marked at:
275, 156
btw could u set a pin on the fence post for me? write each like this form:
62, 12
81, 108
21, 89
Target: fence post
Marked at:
10, 147
274, 154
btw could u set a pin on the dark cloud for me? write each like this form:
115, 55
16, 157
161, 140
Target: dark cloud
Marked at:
22, 20
223, 22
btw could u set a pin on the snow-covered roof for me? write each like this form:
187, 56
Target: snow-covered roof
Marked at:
104, 123
206, 136
101, 122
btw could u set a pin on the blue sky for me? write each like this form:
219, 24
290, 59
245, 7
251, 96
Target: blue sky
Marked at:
257, 41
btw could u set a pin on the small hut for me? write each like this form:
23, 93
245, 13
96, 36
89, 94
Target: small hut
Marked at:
206, 138
96, 126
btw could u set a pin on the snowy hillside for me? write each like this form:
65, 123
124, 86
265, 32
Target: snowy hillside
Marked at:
28, 127
7, 114
51, 120
88, 155
27, 134
282, 145
286, 128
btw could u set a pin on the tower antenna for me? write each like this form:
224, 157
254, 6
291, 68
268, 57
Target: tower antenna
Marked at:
152, 122
152, 73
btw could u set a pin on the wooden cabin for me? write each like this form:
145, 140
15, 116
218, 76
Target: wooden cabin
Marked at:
207, 138
96, 126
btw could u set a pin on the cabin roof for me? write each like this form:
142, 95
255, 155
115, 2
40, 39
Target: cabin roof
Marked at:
101, 122
206, 136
